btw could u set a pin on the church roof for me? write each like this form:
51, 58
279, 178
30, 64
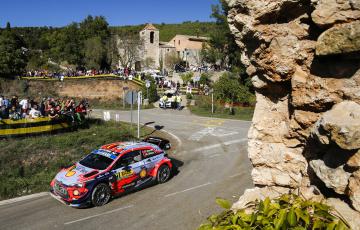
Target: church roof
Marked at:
150, 26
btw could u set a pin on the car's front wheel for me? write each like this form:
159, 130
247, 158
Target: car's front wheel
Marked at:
163, 174
101, 195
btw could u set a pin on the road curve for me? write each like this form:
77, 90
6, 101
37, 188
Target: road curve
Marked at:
213, 163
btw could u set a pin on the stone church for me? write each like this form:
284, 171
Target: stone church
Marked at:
157, 52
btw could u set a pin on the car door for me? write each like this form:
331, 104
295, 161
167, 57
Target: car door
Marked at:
150, 158
126, 170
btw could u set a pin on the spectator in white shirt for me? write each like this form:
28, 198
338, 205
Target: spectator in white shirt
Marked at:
34, 112
1, 101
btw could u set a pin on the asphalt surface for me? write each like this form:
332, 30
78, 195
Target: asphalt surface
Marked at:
212, 160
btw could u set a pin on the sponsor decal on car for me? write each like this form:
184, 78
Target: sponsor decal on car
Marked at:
148, 153
105, 153
124, 174
70, 173
143, 173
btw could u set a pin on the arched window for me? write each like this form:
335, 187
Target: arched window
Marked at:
151, 37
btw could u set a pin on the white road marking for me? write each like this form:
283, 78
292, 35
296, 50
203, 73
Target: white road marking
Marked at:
23, 198
102, 214
215, 155
211, 131
202, 133
236, 175
186, 190
219, 145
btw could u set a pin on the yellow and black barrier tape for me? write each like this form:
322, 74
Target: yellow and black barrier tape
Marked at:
27, 127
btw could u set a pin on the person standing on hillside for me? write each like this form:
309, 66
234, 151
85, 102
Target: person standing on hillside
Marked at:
179, 100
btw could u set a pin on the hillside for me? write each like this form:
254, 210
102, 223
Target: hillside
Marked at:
168, 31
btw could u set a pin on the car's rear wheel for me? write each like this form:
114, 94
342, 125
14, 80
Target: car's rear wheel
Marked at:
100, 195
163, 174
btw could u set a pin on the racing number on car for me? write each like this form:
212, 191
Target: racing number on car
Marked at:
124, 174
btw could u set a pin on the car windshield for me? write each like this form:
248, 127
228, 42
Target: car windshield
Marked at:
96, 161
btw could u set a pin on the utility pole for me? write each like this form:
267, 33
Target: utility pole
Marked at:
131, 111
139, 107
212, 100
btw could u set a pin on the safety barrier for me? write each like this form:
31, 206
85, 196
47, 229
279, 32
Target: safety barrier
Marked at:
28, 127
136, 80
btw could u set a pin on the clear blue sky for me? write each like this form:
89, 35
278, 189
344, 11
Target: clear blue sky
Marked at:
117, 12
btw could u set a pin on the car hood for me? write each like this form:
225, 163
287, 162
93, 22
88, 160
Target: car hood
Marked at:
74, 174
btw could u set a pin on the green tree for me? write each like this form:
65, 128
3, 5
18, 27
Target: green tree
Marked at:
65, 45
187, 77
230, 89
222, 48
205, 78
95, 53
95, 27
12, 50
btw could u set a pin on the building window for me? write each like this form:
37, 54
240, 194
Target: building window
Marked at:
168, 50
179, 42
152, 37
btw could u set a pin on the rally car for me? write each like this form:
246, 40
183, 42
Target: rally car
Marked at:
109, 171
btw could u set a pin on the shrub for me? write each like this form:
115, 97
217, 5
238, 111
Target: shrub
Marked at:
285, 212
186, 77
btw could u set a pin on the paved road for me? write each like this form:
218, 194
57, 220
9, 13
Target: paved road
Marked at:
214, 164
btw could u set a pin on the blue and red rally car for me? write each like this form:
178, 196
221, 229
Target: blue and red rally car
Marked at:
111, 170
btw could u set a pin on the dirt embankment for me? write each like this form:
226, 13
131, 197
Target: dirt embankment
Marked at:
103, 90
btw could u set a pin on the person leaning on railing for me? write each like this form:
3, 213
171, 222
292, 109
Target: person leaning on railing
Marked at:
14, 113
34, 112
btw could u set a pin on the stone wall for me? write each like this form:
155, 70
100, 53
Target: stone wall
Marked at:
304, 59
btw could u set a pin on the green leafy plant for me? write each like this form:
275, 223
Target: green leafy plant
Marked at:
285, 212
186, 77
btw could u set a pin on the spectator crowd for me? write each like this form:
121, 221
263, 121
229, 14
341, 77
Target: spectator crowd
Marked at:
15, 109
76, 73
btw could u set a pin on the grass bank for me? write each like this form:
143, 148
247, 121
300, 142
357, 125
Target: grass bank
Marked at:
28, 165
202, 107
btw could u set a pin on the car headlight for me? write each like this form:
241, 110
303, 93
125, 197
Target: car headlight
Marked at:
76, 192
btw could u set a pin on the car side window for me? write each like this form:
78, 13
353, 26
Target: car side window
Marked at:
128, 159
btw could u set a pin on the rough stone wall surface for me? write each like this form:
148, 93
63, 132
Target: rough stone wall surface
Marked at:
304, 59
103, 90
